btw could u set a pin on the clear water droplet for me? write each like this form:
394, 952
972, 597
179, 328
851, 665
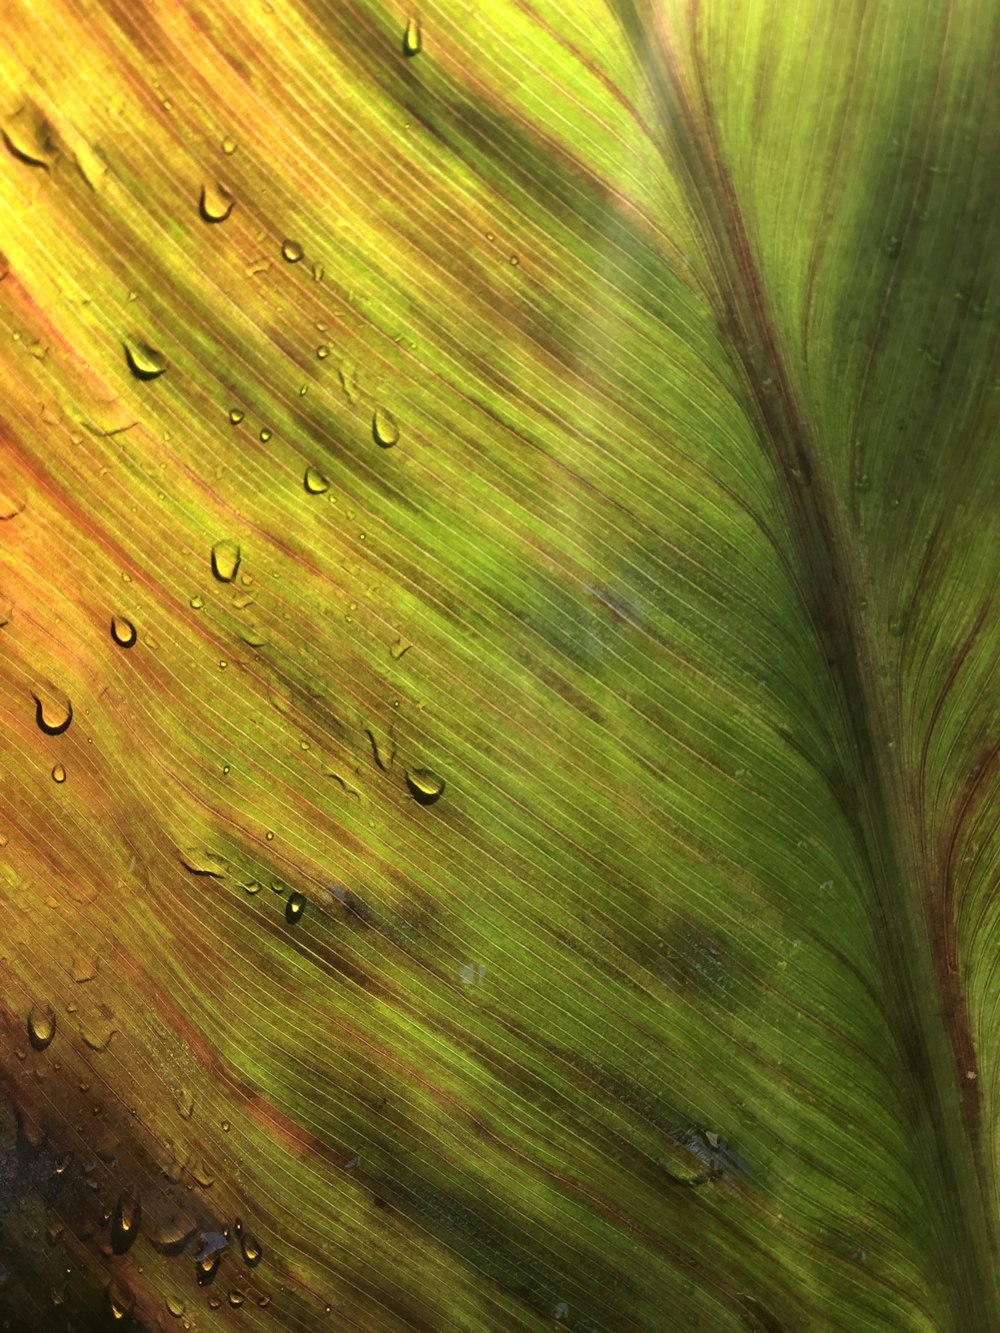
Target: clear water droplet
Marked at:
314, 481
424, 784
294, 908
317, 272
41, 1026
235, 416
215, 203
228, 146
125, 1223
412, 38
97, 1031
123, 631
384, 428
236, 1298
58, 773
29, 137
253, 637
175, 1306
250, 1245
196, 602
399, 647
53, 714
225, 561
84, 967
202, 861
322, 351
144, 361
291, 251
265, 435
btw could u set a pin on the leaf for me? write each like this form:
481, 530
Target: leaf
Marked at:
619, 953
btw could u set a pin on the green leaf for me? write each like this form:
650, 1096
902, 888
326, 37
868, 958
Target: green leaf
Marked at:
498, 575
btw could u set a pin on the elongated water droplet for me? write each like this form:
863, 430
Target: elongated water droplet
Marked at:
84, 967
173, 1235
236, 1298
53, 714
123, 631
384, 428
175, 1306
294, 908
412, 38
291, 251
29, 137
424, 784
202, 861
145, 362
250, 1245
225, 561
314, 482
97, 1031
206, 1269
41, 1026
215, 202
253, 637
399, 647
235, 416
58, 773
125, 1223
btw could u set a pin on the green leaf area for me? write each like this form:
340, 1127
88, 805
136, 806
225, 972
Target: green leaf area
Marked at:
499, 540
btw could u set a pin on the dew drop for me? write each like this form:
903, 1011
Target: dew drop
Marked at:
145, 362
97, 1032
291, 251
29, 137
84, 967
250, 1245
253, 638
196, 602
235, 416
215, 202
41, 1027
322, 351
251, 886
384, 428
424, 784
228, 146
236, 1298
202, 861
123, 631
412, 39
265, 435
205, 1269
225, 561
58, 773
53, 715
317, 272
294, 908
125, 1224
314, 482
175, 1306
398, 648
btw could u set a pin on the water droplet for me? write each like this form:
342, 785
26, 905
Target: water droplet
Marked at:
145, 362
206, 1269
228, 146
41, 1026
172, 1236
399, 647
125, 1224
58, 773
251, 886
291, 251
29, 137
253, 638
317, 272
225, 561
215, 202
314, 482
123, 631
515, 260
250, 1245
424, 784
196, 602
412, 38
4, 840
53, 714
235, 416
175, 1306
384, 428
265, 435
322, 351
84, 968
202, 861
202, 1175
97, 1032
236, 1298
294, 908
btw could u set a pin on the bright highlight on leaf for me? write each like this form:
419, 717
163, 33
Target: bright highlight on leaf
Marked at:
534, 862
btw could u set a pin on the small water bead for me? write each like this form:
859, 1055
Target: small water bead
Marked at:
265, 435
236, 1298
145, 362
175, 1306
125, 1225
412, 38
196, 602
53, 715
228, 146
41, 1026
322, 351
384, 428
424, 784
225, 560
215, 203
294, 908
58, 773
314, 481
291, 251
29, 137
251, 1247
123, 632
235, 416
317, 271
